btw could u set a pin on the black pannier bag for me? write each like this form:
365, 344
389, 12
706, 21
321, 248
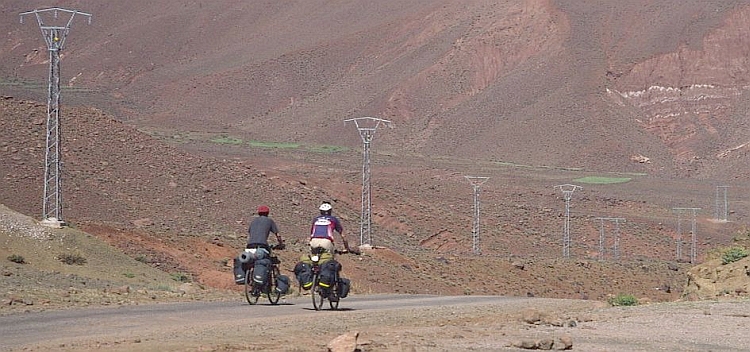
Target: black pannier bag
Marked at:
328, 273
343, 288
239, 272
282, 284
304, 275
260, 270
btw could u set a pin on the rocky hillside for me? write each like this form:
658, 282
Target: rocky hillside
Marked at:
178, 123
596, 86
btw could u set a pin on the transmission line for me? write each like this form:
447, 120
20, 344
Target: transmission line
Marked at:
721, 209
367, 127
602, 237
693, 240
476, 183
54, 36
567, 190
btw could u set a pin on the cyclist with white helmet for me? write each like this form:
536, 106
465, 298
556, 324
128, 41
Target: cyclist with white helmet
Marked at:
323, 227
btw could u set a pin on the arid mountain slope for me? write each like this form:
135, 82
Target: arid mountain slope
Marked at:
540, 82
180, 117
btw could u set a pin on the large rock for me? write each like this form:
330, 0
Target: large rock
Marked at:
713, 279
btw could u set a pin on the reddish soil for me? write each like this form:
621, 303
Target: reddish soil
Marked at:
178, 124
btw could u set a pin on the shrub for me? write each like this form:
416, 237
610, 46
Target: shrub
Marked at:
623, 300
129, 275
17, 259
180, 277
733, 254
71, 259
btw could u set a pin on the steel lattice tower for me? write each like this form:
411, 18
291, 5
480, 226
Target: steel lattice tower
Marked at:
476, 183
367, 127
693, 235
567, 190
54, 36
721, 211
602, 239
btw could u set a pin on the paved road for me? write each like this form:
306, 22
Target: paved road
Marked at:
109, 324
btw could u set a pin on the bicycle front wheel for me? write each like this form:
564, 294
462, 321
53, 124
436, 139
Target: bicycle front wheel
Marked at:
273, 294
250, 293
317, 294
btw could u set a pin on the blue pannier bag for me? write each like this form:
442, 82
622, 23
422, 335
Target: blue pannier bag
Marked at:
260, 271
282, 284
239, 272
304, 275
328, 273
343, 288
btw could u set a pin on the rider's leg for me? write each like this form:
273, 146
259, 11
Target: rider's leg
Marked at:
322, 243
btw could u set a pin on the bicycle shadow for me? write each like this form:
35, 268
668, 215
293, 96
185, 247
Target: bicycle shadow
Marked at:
331, 310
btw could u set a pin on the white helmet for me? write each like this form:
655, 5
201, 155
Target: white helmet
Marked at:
325, 207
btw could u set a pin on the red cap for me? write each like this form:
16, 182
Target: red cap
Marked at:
263, 209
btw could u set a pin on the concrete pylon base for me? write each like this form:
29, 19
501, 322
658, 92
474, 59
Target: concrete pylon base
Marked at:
53, 222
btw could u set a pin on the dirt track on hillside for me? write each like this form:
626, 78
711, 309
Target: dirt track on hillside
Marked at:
386, 323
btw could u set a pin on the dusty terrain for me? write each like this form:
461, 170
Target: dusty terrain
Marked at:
388, 323
178, 124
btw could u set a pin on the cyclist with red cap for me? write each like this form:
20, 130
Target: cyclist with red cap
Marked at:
260, 228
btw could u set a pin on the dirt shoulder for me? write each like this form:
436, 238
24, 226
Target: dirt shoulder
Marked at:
399, 323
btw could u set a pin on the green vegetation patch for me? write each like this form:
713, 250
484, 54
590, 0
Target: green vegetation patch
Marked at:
733, 254
71, 258
601, 180
623, 300
327, 149
276, 145
226, 140
18, 259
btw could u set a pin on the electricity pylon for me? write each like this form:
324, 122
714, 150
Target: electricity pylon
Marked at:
602, 239
367, 127
54, 37
567, 190
693, 240
721, 211
476, 183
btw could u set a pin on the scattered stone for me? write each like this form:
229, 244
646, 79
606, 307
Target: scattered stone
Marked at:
121, 290
525, 344
143, 222
531, 316
344, 343
188, 288
564, 342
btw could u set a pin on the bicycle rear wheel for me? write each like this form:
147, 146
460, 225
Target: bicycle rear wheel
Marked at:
250, 293
317, 294
333, 300
273, 294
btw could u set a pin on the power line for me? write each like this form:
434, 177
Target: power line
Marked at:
367, 127
602, 237
567, 190
54, 36
476, 183
679, 240
721, 211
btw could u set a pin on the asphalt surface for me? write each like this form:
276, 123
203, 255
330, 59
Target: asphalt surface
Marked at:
67, 326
